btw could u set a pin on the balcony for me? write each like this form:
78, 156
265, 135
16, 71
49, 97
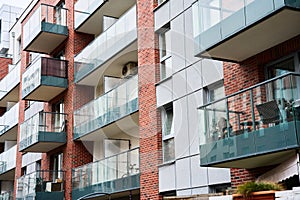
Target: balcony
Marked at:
238, 29
6, 196
8, 164
45, 79
43, 132
255, 127
9, 124
116, 41
46, 29
9, 86
114, 105
41, 185
116, 174
90, 12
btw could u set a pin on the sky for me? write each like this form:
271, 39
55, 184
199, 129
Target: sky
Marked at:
18, 3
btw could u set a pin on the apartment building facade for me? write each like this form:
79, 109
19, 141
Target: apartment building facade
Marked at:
9, 88
254, 129
106, 95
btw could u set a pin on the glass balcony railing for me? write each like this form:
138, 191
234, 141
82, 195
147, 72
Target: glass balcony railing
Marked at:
9, 82
43, 127
6, 196
8, 159
216, 21
110, 175
49, 72
45, 19
108, 44
41, 185
84, 9
9, 119
260, 120
111, 106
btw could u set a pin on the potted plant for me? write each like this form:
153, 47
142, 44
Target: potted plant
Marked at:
257, 190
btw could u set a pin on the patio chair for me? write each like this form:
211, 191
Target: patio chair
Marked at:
269, 112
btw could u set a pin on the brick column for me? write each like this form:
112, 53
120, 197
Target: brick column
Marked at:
4, 62
149, 117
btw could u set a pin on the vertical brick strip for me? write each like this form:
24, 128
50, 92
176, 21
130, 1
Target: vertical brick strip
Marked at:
4, 62
149, 117
75, 153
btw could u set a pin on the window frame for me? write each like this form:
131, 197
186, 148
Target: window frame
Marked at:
164, 43
170, 136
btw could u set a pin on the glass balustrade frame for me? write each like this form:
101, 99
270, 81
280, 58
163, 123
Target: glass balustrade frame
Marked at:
216, 22
109, 175
45, 72
43, 127
259, 120
109, 43
117, 103
42, 184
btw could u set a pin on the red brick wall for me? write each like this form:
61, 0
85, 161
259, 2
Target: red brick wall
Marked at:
251, 71
149, 117
239, 176
246, 74
4, 66
75, 153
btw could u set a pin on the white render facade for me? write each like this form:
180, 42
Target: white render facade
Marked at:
185, 82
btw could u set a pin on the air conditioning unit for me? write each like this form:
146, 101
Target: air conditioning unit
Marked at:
129, 69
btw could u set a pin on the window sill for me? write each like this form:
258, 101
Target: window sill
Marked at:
171, 162
160, 5
163, 80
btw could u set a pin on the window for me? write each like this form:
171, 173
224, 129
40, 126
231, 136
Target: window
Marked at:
165, 52
57, 162
282, 67
19, 49
168, 133
59, 118
60, 14
214, 92
160, 1
284, 90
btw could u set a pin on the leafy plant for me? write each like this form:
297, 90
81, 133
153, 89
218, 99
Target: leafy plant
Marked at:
246, 189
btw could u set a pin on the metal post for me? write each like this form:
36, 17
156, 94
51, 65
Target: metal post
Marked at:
252, 110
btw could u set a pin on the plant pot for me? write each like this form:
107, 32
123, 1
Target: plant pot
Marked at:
263, 195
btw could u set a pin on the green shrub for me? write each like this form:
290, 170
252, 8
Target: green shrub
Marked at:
247, 188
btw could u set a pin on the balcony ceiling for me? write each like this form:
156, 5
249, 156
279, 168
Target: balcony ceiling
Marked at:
10, 135
127, 125
43, 147
44, 93
117, 62
118, 195
259, 37
46, 42
8, 175
111, 8
11, 96
258, 161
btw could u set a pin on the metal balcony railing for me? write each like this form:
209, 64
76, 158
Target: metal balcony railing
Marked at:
112, 174
111, 106
43, 181
262, 119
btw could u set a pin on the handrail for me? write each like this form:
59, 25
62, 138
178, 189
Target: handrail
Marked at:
65, 114
43, 171
44, 4
43, 57
124, 152
250, 88
106, 30
111, 90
